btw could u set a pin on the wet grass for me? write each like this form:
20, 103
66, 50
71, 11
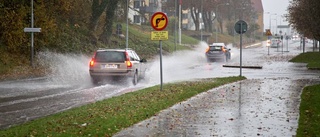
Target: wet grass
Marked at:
107, 117
309, 121
311, 58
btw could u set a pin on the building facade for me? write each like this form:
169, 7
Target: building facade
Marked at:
258, 7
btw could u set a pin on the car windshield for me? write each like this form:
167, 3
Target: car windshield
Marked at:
215, 48
110, 56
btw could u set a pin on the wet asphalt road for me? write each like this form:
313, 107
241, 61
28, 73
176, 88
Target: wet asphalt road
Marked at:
24, 100
21, 101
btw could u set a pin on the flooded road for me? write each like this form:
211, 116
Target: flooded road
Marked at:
247, 108
69, 86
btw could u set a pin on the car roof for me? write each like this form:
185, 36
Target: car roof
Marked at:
217, 44
275, 39
119, 50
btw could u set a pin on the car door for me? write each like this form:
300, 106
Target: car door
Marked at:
134, 60
141, 66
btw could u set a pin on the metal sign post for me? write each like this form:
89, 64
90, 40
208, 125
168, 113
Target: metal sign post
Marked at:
287, 38
269, 34
161, 75
241, 49
281, 38
32, 35
303, 44
241, 27
32, 30
287, 45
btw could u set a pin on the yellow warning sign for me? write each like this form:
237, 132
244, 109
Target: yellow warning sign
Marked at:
268, 32
159, 35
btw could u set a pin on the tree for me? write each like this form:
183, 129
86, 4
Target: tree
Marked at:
252, 27
225, 10
110, 11
97, 8
16, 14
194, 7
208, 12
304, 17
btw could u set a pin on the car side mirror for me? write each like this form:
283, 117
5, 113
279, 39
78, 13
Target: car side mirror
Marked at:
143, 60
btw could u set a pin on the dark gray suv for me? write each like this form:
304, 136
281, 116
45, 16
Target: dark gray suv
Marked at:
217, 51
112, 63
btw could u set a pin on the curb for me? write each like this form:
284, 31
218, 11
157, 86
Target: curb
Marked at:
253, 45
250, 67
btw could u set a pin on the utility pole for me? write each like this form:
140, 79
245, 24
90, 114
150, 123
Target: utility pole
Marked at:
127, 30
32, 35
175, 25
202, 20
180, 22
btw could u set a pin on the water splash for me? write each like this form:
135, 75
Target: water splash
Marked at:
176, 66
65, 68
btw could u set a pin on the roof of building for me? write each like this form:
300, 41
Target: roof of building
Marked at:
257, 5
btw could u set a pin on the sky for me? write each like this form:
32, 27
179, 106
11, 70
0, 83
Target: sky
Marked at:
278, 7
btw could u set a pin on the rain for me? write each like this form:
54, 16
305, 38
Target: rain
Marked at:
265, 104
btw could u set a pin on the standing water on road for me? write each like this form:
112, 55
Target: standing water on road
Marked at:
67, 85
185, 65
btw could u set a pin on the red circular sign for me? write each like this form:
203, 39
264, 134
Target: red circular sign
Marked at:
159, 21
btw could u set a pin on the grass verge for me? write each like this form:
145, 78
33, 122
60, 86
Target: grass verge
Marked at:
309, 121
107, 117
311, 58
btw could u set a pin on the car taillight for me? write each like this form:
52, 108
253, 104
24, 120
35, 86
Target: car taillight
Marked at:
207, 49
92, 62
128, 62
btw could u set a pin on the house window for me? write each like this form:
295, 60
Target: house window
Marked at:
136, 19
152, 1
185, 26
136, 4
184, 16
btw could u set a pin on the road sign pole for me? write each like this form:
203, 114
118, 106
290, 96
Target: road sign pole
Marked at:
175, 25
287, 46
282, 44
303, 44
241, 27
179, 24
127, 24
32, 35
241, 50
161, 78
278, 46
